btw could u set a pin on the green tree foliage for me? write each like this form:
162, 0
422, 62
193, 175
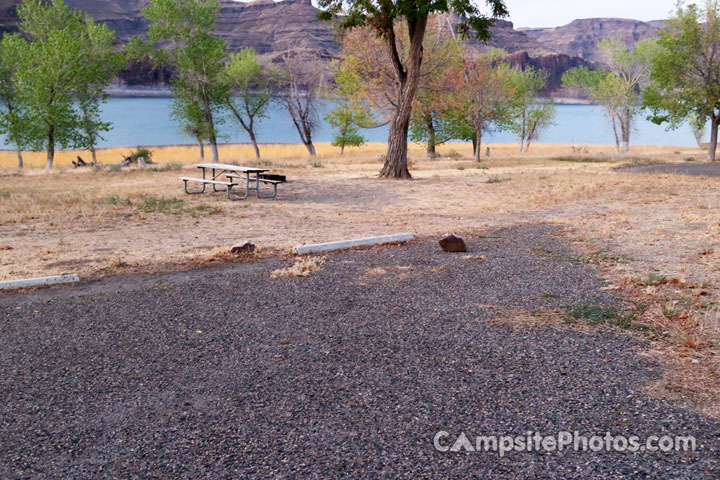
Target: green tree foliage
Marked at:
440, 73
252, 91
529, 118
62, 61
433, 127
483, 100
686, 70
106, 65
186, 27
383, 17
619, 88
351, 113
190, 116
12, 118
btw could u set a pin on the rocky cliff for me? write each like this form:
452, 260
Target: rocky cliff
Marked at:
267, 26
580, 37
526, 51
273, 28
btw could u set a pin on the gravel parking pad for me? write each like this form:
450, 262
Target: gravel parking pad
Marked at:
349, 372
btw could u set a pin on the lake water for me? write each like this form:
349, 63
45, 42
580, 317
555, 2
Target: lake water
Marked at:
146, 121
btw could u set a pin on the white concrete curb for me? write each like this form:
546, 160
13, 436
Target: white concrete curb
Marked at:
38, 282
360, 242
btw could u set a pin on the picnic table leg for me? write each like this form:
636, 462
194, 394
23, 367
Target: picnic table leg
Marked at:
269, 196
229, 187
213, 177
202, 190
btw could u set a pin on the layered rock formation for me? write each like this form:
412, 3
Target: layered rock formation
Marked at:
525, 51
123, 16
274, 28
504, 36
580, 37
267, 26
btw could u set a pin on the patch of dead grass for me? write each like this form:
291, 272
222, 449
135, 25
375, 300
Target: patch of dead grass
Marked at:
301, 267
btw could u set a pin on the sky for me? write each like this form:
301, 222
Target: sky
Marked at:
554, 13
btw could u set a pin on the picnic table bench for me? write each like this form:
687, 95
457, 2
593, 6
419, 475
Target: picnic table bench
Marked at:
253, 177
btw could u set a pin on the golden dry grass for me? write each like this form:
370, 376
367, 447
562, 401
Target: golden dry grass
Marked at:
296, 154
86, 219
301, 267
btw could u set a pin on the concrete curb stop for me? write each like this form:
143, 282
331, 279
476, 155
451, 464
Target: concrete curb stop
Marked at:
345, 244
39, 282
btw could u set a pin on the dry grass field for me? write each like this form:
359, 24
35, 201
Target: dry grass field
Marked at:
657, 236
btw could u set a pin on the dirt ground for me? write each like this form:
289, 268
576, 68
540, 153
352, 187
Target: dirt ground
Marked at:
93, 221
656, 234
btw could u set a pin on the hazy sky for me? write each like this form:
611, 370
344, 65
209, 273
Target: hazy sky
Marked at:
553, 13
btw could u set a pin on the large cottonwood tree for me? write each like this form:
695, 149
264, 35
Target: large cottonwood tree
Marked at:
383, 17
62, 61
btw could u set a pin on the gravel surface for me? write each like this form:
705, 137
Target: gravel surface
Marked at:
349, 372
697, 170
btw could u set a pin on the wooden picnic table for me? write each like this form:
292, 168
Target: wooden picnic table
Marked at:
231, 172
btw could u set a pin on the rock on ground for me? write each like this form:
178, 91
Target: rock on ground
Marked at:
453, 243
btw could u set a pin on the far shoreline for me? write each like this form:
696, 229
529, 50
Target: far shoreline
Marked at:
156, 91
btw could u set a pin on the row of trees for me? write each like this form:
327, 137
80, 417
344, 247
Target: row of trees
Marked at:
461, 94
402, 62
54, 72
52, 78
676, 77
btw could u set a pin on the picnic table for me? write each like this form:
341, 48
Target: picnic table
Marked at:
212, 172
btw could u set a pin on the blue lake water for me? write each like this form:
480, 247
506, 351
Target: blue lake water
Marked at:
146, 121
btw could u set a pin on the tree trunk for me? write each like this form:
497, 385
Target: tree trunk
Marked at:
475, 147
254, 143
527, 147
478, 144
310, 148
19, 157
625, 127
201, 145
308, 141
213, 136
213, 143
617, 138
523, 131
50, 148
408, 76
93, 153
342, 149
430, 125
714, 123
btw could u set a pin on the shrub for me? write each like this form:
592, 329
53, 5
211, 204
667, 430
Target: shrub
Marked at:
141, 152
115, 200
496, 179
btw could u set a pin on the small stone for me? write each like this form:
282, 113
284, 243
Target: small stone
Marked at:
244, 247
453, 243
